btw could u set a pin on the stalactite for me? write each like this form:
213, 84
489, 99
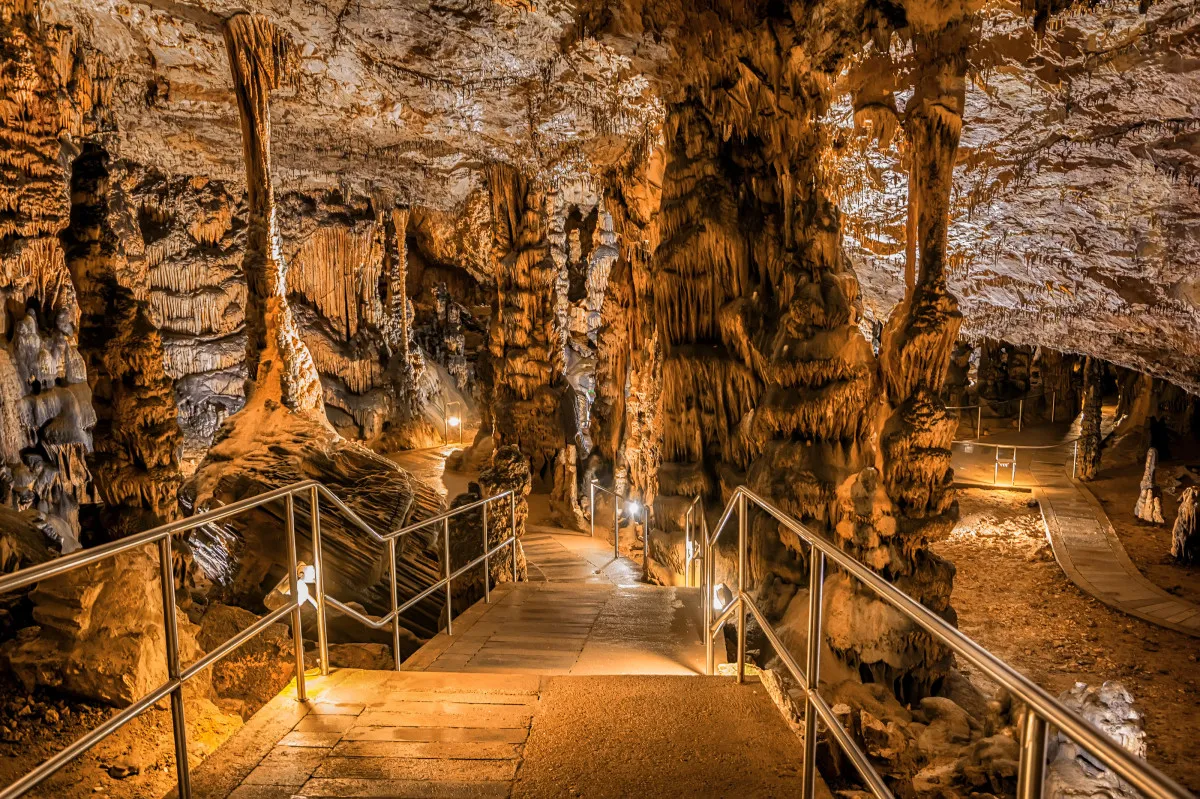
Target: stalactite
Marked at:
1090, 441
261, 57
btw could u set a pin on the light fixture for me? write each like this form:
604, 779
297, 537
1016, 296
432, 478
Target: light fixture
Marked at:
453, 421
633, 506
718, 604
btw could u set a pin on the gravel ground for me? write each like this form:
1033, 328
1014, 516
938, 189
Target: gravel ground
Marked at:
1021, 606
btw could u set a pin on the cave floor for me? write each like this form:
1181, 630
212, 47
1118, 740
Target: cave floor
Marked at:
1084, 542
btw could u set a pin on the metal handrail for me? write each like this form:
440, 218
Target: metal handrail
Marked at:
1043, 710
981, 401
1015, 447
177, 676
617, 499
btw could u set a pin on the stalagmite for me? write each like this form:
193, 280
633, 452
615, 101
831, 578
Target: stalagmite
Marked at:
1185, 536
1149, 502
261, 58
1090, 436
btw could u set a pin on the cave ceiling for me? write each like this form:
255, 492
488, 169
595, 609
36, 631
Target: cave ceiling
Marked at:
1076, 214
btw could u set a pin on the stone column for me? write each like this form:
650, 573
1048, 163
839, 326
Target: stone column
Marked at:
278, 363
525, 344
1090, 438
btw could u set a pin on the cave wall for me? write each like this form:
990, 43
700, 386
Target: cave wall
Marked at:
52, 93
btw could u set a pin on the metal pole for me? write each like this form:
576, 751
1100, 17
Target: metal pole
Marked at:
979, 420
449, 601
395, 605
616, 529
1020, 413
645, 544
1053, 406
319, 567
816, 583
512, 506
294, 587
741, 584
706, 597
592, 505
1031, 773
687, 548
1075, 460
166, 573
487, 570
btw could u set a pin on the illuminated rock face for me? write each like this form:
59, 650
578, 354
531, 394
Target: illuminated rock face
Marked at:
644, 238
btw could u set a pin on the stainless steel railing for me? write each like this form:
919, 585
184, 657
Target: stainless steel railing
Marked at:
177, 675
1043, 710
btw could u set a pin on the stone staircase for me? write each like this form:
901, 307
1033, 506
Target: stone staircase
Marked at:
581, 684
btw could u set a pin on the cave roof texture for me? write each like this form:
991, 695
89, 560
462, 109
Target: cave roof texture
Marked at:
1076, 204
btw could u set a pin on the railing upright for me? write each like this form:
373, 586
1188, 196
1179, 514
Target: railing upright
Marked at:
741, 584
812, 669
512, 507
487, 569
319, 567
294, 589
1031, 771
171, 628
449, 595
395, 603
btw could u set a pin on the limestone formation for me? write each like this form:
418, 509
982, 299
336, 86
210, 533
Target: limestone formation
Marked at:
280, 367
1185, 536
137, 442
526, 344
1073, 773
1149, 502
1090, 435
99, 633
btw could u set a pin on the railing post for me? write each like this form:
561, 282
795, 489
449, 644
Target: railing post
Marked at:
449, 601
1075, 460
512, 506
487, 570
979, 420
812, 674
592, 505
645, 543
1053, 406
741, 584
166, 573
319, 567
395, 604
706, 597
616, 528
1031, 773
294, 588
1020, 413
687, 548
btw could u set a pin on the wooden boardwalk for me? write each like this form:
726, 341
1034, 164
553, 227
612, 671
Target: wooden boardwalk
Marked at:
1087, 548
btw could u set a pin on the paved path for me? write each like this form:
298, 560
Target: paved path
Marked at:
582, 682
1084, 542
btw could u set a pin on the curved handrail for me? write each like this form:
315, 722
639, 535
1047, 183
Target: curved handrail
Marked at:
178, 674
1046, 710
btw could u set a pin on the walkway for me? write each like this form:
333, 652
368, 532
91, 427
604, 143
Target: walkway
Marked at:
1084, 542
581, 683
